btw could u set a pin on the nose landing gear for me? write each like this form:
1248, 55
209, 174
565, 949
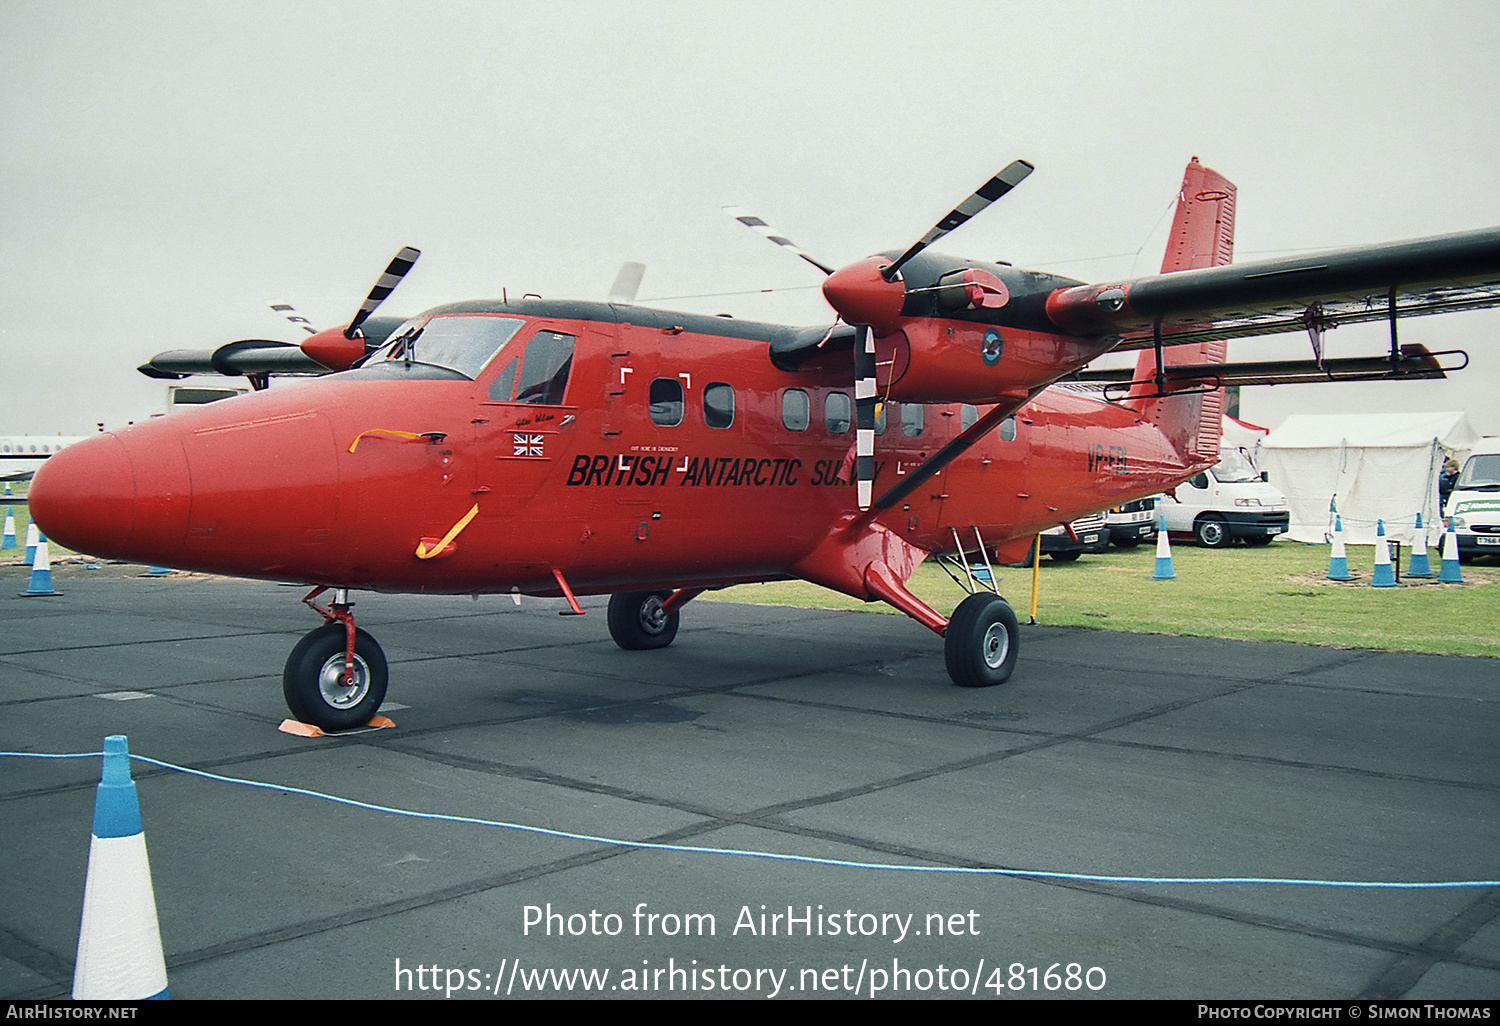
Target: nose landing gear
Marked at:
336, 676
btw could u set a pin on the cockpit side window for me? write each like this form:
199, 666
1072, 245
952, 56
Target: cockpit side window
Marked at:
504, 386
544, 370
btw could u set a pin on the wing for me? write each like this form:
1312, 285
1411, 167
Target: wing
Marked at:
1345, 286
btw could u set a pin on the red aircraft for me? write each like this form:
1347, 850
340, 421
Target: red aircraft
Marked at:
573, 448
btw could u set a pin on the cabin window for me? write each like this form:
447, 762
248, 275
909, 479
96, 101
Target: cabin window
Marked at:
968, 416
796, 410
718, 405
666, 402
463, 344
911, 420
503, 387
837, 413
1008, 429
880, 416
544, 371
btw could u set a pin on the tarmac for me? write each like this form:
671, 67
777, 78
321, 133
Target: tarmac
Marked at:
830, 735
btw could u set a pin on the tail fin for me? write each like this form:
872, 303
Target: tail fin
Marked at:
1202, 236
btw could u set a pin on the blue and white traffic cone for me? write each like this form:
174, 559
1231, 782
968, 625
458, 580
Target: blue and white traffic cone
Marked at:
119, 941
31, 537
1450, 573
1338, 563
8, 539
41, 572
1418, 566
1385, 575
1164, 570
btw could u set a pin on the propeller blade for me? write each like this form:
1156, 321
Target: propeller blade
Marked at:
387, 283
627, 282
1013, 175
865, 401
290, 313
749, 220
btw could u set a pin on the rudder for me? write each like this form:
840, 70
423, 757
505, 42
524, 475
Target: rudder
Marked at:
1202, 236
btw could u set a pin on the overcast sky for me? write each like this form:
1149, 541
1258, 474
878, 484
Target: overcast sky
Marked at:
168, 168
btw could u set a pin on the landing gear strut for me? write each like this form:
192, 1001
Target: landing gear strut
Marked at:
336, 676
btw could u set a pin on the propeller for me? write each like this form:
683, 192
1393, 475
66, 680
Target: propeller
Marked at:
341, 348
1014, 174
627, 283
754, 223
399, 265
870, 294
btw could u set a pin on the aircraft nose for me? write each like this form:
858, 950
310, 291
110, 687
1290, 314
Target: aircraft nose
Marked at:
84, 497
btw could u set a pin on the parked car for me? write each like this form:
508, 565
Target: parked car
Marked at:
1229, 500
1069, 541
1132, 523
1474, 505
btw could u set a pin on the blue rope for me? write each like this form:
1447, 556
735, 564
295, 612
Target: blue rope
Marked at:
779, 856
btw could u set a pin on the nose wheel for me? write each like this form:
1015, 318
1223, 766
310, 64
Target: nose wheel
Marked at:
336, 676
638, 620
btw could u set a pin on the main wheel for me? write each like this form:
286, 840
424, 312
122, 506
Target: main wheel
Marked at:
982, 641
1213, 534
313, 681
1066, 556
637, 621
1255, 541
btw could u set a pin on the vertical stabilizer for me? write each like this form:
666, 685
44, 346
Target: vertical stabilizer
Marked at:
1202, 236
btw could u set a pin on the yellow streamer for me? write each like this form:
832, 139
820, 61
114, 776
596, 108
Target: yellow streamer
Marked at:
410, 436
425, 553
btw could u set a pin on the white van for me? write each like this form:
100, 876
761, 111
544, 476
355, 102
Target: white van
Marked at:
1474, 506
1230, 500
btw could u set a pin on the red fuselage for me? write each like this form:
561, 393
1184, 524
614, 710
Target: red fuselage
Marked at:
669, 456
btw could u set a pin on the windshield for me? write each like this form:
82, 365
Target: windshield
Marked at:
1233, 467
1480, 473
458, 342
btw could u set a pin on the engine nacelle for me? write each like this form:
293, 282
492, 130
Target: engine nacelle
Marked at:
949, 361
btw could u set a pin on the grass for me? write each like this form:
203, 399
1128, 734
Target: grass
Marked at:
1278, 593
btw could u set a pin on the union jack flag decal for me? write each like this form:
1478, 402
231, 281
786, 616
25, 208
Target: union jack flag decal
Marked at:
528, 445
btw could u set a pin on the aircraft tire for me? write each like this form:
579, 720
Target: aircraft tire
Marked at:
637, 622
1064, 557
982, 641
1212, 533
1256, 541
312, 681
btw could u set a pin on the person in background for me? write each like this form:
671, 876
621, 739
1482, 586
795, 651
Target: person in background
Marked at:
1445, 482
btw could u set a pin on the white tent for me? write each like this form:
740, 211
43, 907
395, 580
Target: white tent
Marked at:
1374, 466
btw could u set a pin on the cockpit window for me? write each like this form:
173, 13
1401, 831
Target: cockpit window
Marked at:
462, 343
544, 371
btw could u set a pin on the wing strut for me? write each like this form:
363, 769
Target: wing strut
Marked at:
948, 453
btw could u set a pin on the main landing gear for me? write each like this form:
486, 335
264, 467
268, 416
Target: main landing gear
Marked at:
982, 641
336, 676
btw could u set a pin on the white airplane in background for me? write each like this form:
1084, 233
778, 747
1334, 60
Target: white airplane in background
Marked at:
21, 455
